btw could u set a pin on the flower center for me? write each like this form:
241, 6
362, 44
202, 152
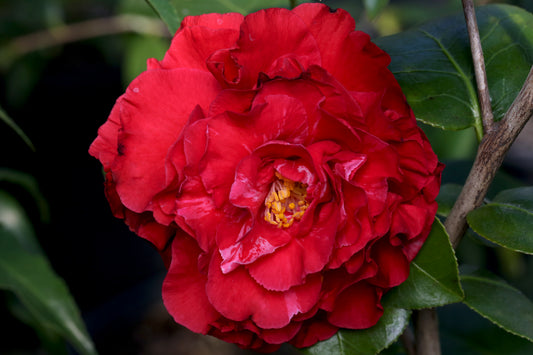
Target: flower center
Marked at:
285, 202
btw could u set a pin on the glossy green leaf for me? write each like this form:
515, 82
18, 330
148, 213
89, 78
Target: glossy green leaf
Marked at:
374, 7
434, 67
446, 199
507, 225
30, 277
434, 279
366, 341
167, 12
9, 121
500, 303
521, 197
465, 332
173, 11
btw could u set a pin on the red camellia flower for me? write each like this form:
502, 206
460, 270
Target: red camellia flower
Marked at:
273, 161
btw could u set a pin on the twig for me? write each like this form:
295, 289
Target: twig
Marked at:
408, 341
427, 332
84, 30
479, 66
490, 155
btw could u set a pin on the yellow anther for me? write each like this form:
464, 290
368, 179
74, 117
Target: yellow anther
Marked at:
285, 202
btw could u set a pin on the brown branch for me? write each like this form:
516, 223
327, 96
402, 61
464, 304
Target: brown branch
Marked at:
479, 66
408, 341
427, 332
84, 30
490, 155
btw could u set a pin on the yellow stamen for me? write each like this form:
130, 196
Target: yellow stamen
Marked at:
286, 202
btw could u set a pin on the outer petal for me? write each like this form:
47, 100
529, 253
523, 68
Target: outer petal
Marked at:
184, 287
199, 37
246, 299
105, 146
275, 42
357, 307
152, 119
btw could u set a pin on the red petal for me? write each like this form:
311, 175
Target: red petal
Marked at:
238, 297
153, 112
257, 243
105, 146
393, 267
357, 307
312, 331
232, 137
271, 35
290, 265
199, 37
184, 287
330, 30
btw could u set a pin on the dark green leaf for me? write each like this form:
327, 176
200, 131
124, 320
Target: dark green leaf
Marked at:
52, 342
13, 218
447, 196
465, 332
374, 7
500, 303
173, 11
434, 67
167, 12
30, 185
7, 120
434, 279
521, 197
367, 341
42, 292
504, 224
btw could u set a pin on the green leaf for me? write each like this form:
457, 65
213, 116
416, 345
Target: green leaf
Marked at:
167, 12
366, 341
434, 67
41, 291
434, 279
30, 185
521, 197
51, 342
374, 7
507, 222
500, 303
446, 199
7, 120
173, 11
13, 218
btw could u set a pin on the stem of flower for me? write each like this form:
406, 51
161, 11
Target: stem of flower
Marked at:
479, 65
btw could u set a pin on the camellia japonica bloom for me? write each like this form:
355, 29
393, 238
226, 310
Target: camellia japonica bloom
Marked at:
273, 161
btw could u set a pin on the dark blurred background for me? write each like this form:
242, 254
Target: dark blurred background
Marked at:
59, 94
